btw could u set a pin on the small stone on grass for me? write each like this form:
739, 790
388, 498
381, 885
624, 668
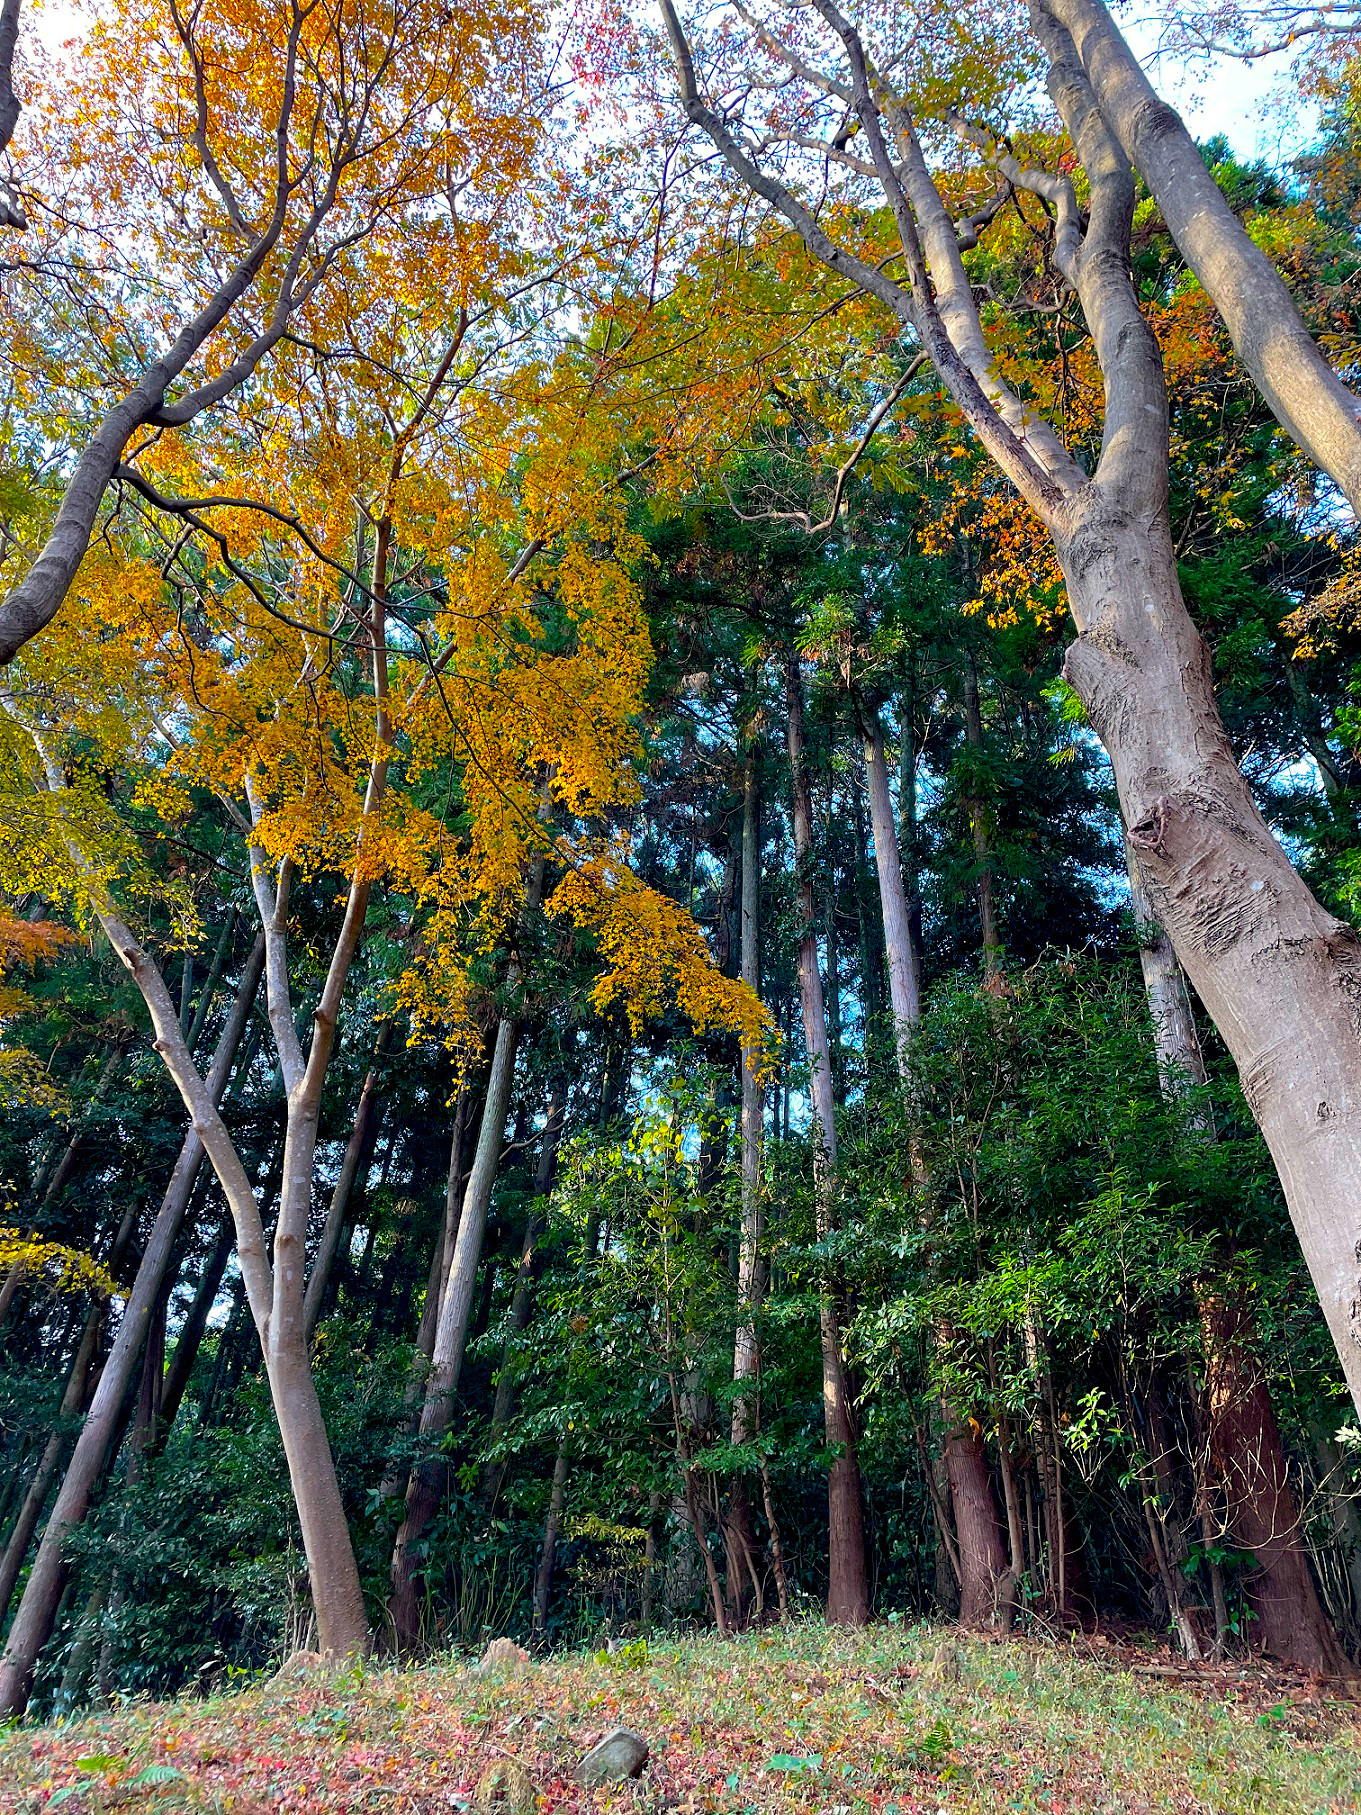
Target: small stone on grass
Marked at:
622, 1753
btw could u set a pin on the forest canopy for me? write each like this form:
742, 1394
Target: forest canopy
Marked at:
680, 832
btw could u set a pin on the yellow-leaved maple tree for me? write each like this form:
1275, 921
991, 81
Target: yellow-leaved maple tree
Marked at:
381, 608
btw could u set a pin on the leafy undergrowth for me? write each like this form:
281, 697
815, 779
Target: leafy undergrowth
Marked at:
903, 1722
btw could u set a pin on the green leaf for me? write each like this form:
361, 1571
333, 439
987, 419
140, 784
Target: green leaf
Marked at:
787, 1761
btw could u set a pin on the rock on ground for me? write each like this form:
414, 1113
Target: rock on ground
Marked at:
622, 1753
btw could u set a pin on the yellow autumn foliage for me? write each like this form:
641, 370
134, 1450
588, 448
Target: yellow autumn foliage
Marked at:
59, 1268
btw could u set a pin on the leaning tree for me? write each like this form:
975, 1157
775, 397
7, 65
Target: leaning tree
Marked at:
841, 129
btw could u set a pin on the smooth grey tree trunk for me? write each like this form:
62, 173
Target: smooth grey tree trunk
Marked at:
904, 982
1300, 387
426, 1484
847, 1588
1280, 977
38, 1607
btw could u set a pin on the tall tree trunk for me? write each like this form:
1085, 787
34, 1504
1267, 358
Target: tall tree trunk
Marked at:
847, 1591
441, 1257
980, 825
981, 1562
739, 1529
1250, 1470
522, 1298
982, 1555
426, 1484
1181, 1063
1279, 976
358, 1153
543, 1580
746, 1353
831, 936
907, 810
871, 967
904, 979
37, 1610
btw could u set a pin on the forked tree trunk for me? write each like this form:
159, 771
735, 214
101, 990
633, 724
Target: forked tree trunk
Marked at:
42, 1592
847, 1587
425, 1487
1301, 389
1278, 975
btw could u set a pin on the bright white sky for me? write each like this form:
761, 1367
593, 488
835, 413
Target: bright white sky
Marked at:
1244, 100
1221, 96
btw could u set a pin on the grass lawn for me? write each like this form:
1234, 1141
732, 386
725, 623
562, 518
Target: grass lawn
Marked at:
911, 1721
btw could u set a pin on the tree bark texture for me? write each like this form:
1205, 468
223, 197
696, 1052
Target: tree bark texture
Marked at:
904, 981
982, 1554
1246, 1458
1300, 387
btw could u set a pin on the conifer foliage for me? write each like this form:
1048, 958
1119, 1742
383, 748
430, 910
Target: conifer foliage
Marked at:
679, 834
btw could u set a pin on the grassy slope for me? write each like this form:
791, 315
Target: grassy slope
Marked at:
807, 1719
